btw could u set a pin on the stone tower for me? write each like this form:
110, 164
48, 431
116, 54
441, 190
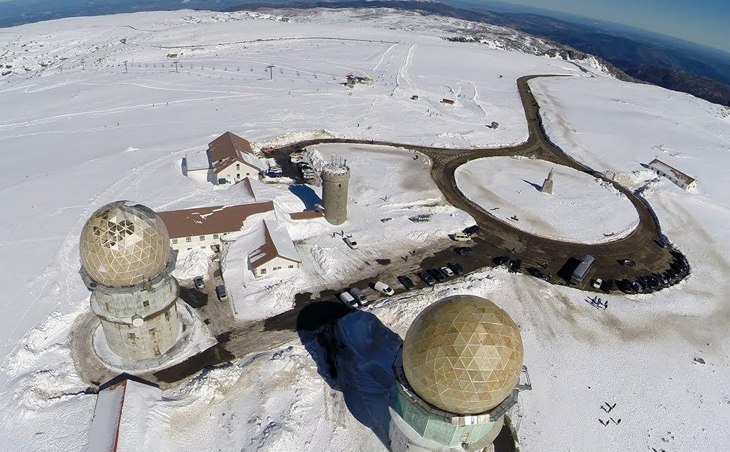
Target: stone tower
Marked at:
547, 186
126, 261
335, 181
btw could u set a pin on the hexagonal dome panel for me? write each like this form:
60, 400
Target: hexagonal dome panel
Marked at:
124, 244
463, 354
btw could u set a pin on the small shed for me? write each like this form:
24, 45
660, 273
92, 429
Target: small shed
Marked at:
447, 101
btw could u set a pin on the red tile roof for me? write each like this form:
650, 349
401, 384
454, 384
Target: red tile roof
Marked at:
210, 220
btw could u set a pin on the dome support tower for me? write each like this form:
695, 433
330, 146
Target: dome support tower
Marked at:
126, 263
335, 181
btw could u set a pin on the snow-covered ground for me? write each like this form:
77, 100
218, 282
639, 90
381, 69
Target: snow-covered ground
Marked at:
80, 130
581, 209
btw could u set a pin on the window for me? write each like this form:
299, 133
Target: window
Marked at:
238, 176
145, 303
174, 241
291, 266
131, 336
188, 239
215, 236
238, 166
167, 315
202, 237
263, 271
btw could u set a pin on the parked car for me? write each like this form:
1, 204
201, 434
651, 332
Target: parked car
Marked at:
472, 230
350, 242
361, 298
456, 268
220, 291
348, 300
447, 271
607, 285
462, 250
437, 274
515, 265
597, 283
383, 288
406, 282
534, 271
427, 278
500, 260
626, 262
198, 281
462, 237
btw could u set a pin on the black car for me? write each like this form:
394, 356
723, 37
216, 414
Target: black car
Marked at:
407, 282
515, 265
456, 268
437, 274
427, 278
607, 285
462, 250
471, 229
537, 273
500, 260
624, 285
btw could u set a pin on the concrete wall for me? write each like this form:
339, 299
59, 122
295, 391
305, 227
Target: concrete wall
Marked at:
275, 264
334, 195
155, 337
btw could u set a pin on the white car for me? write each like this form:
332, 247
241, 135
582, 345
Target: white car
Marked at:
383, 288
447, 271
351, 243
348, 300
597, 283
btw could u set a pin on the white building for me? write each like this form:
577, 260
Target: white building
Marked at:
679, 178
275, 253
228, 160
204, 227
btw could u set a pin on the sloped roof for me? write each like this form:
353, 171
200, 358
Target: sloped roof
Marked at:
229, 148
117, 405
277, 243
658, 164
211, 220
306, 215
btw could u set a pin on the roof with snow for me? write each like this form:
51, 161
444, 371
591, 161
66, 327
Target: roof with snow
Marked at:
277, 243
254, 187
119, 406
211, 220
229, 148
658, 164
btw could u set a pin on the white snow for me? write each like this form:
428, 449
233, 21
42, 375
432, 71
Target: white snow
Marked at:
80, 132
581, 209
192, 263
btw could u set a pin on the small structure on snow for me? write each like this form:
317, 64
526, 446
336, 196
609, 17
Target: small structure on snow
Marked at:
547, 185
447, 101
679, 178
230, 159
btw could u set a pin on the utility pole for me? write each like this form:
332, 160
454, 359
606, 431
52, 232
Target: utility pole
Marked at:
176, 63
125, 68
271, 71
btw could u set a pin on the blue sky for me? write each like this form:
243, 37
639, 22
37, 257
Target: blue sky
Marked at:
702, 21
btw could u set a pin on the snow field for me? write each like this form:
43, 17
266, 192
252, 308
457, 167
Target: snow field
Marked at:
581, 209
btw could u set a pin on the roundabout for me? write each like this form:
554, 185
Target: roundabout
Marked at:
580, 208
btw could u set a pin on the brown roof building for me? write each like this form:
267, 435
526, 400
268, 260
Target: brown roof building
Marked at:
276, 252
679, 178
228, 149
202, 221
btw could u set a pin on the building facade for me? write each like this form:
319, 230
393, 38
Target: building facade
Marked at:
277, 252
677, 177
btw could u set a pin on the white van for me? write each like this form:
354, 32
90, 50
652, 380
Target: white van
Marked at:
462, 237
383, 288
348, 300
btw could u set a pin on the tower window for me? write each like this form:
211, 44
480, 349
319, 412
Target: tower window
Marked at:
131, 336
145, 303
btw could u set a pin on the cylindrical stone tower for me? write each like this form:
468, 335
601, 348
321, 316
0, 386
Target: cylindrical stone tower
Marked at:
335, 180
126, 261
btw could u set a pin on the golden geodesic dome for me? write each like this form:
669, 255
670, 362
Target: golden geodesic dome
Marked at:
123, 244
463, 354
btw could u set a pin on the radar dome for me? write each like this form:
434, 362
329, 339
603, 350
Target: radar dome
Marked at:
463, 354
124, 244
